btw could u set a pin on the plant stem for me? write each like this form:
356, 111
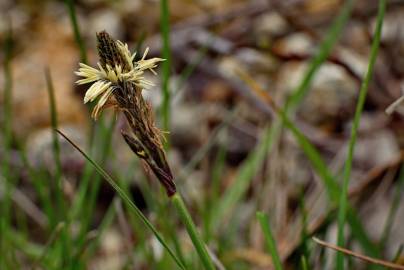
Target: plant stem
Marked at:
165, 32
269, 240
76, 30
126, 199
5, 205
192, 232
343, 203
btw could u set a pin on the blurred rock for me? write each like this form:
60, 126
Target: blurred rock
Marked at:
112, 247
14, 15
392, 26
30, 96
320, 7
39, 146
270, 24
297, 43
188, 126
217, 91
108, 20
376, 215
257, 62
357, 62
377, 148
332, 91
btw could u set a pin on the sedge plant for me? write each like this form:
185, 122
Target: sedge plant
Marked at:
118, 82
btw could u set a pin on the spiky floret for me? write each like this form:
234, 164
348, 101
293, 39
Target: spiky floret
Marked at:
119, 81
117, 65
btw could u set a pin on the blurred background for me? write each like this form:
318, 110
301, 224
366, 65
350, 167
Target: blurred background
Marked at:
228, 62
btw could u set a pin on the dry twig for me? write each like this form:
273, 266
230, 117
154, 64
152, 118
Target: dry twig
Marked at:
358, 255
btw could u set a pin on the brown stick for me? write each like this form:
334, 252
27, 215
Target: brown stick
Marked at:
358, 255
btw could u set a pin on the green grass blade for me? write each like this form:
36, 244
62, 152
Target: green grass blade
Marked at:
132, 220
52, 238
192, 232
269, 240
324, 51
304, 235
61, 216
332, 188
7, 106
321, 168
127, 200
5, 206
40, 188
304, 263
398, 253
170, 228
202, 151
90, 186
315, 158
397, 198
76, 30
90, 182
190, 68
244, 176
213, 195
343, 202
19, 241
165, 33
86, 251
55, 141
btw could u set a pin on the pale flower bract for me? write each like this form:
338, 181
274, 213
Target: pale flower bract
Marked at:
105, 79
118, 81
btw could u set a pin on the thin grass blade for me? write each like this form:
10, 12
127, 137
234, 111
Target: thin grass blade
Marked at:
192, 232
343, 202
55, 141
269, 240
5, 206
165, 32
244, 176
324, 51
76, 30
127, 200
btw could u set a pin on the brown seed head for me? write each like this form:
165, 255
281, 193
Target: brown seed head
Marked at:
109, 53
120, 81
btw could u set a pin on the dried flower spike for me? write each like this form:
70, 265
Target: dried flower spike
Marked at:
119, 82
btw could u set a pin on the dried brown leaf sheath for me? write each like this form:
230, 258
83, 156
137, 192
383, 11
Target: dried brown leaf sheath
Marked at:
120, 82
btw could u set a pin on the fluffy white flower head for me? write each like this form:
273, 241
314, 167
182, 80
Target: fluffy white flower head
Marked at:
105, 80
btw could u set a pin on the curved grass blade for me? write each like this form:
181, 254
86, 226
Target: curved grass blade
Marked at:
324, 51
76, 30
165, 32
127, 200
192, 232
55, 141
393, 211
241, 183
52, 238
61, 207
343, 202
5, 206
320, 166
269, 240
244, 176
